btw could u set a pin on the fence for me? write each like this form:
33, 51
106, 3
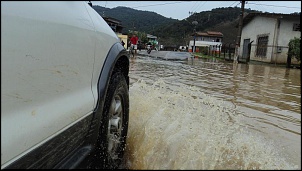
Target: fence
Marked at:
225, 51
269, 54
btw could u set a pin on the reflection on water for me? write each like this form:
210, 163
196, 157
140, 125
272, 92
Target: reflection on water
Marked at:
202, 114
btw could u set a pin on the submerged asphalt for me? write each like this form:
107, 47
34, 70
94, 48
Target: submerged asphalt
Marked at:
167, 55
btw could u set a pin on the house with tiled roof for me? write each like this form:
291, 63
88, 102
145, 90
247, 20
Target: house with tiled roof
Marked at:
210, 40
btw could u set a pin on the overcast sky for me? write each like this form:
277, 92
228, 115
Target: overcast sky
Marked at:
180, 9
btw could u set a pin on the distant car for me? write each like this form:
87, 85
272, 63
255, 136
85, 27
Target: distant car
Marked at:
64, 87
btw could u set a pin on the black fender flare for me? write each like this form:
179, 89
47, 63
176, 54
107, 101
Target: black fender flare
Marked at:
116, 59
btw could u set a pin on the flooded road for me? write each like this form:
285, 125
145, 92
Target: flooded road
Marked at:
203, 114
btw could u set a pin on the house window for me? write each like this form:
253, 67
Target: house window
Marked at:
262, 46
296, 27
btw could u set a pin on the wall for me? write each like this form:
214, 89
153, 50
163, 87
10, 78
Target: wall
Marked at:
258, 26
285, 34
124, 38
277, 38
203, 44
208, 39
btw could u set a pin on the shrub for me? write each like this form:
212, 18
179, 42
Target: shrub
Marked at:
294, 48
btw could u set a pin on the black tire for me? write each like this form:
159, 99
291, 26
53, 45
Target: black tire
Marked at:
114, 126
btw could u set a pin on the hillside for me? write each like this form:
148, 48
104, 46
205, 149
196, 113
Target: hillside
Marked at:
131, 19
223, 20
177, 32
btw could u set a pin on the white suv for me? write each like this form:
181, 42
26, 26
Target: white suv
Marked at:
64, 87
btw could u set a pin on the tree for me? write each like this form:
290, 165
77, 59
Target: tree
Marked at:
294, 48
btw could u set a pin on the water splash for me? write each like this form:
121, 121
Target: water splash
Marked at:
180, 127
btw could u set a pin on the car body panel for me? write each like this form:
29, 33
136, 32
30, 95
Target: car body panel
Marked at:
101, 47
47, 67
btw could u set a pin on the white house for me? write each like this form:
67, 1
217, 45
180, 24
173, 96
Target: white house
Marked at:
265, 36
151, 37
209, 39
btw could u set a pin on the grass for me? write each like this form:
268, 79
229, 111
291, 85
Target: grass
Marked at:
201, 55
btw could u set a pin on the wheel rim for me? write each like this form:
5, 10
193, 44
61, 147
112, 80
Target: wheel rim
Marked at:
115, 126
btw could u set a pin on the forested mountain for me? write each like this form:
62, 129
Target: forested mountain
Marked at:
177, 32
131, 19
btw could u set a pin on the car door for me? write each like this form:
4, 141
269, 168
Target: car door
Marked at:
47, 56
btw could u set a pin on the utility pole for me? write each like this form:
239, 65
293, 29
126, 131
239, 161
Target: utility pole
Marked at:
236, 55
194, 23
194, 39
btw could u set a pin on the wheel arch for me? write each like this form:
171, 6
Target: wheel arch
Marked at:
117, 60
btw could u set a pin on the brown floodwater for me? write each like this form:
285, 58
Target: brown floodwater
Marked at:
208, 114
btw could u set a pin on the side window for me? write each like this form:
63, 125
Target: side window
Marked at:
262, 45
296, 27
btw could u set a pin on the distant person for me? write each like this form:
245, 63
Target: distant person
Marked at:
129, 44
149, 47
123, 43
139, 46
155, 45
134, 41
149, 43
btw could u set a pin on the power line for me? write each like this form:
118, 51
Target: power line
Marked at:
203, 4
194, 5
233, 4
275, 5
160, 4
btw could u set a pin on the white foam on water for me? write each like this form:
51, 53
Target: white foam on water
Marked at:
182, 128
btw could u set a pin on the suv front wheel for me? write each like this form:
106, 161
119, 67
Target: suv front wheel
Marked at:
113, 131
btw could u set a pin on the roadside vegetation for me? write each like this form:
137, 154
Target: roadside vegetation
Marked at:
294, 48
202, 55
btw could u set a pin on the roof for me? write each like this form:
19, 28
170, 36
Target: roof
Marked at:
151, 36
210, 34
113, 20
214, 33
249, 17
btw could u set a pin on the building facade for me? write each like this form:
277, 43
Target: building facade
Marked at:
117, 27
210, 40
265, 36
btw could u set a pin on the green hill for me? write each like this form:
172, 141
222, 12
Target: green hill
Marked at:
131, 19
177, 32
